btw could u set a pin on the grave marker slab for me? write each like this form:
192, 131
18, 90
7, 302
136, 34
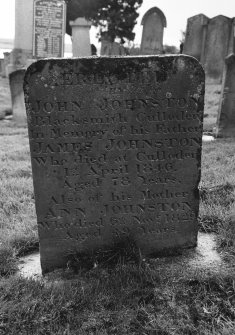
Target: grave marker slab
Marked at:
115, 147
225, 126
154, 22
49, 28
16, 80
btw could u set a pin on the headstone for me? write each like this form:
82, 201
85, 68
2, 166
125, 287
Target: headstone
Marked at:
6, 63
81, 45
210, 41
217, 45
112, 48
225, 126
2, 66
39, 31
195, 36
49, 28
115, 148
23, 44
154, 22
16, 80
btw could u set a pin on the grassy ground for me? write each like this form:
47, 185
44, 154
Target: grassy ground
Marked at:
128, 297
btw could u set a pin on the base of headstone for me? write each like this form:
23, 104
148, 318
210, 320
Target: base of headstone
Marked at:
204, 258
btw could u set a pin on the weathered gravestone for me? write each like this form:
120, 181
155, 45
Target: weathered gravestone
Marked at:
49, 28
115, 146
195, 36
16, 80
154, 22
217, 45
210, 41
81, 37
225, 126
109, 48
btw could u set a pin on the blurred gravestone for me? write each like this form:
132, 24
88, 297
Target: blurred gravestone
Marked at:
217, 46
210, 41
49, 28
2, 66
195, 36
6, 62
16, 80
154, 22
116, 148
81, 44
111, 48
226, 117
39, 31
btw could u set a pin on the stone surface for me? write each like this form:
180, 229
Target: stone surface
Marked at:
225, 126
115, 147
49, 28
154, 22
195, 36
81, 45
16, 80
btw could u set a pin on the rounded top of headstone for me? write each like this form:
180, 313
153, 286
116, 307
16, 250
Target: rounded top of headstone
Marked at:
152, 11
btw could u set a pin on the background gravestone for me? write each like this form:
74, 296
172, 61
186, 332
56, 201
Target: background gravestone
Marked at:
210, 41
111, 48
115, 147
16, 80
225, 126
23, 41
81, 37
195, 36
217, 45
49, 28
154, 22
39, 31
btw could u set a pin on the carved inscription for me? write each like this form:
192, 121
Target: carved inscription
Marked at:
115, 147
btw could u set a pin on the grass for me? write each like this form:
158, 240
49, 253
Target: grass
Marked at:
130, 295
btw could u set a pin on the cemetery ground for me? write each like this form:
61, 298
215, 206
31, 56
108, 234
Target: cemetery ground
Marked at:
128, 295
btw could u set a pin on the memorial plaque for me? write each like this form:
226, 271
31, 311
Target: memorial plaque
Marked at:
116, 151
49, 28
